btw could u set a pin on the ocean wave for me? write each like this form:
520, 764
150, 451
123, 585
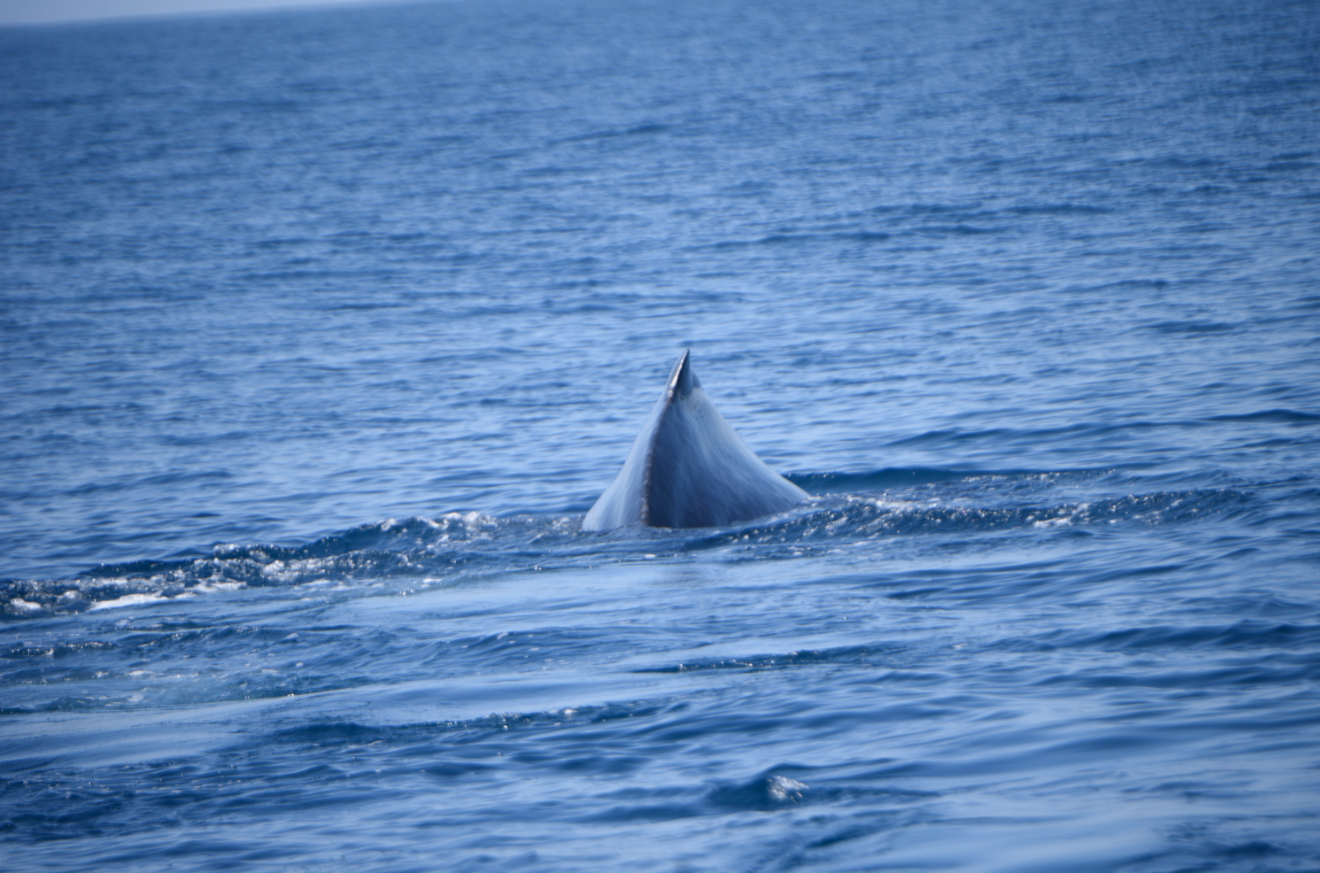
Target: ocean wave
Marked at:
850, 508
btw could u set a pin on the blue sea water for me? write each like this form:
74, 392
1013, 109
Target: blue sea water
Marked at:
321, 331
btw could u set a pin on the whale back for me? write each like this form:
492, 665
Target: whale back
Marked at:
689, 468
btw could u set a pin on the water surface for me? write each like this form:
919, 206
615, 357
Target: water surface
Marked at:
322, 330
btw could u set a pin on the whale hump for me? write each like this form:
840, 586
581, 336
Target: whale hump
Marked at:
689, 468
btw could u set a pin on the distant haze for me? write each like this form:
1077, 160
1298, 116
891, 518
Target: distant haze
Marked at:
50, 11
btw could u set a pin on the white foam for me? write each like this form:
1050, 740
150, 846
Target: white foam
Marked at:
783, 788
212, 587
128, 600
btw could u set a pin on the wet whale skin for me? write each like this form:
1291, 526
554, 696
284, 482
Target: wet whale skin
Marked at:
689, 468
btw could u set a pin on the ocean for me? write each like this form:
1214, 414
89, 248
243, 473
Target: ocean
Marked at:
321, 330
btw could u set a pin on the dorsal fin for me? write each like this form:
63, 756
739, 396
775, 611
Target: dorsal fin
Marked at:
682, 380
688, 468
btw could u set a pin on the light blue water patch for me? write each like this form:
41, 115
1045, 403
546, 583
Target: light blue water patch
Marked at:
321, 331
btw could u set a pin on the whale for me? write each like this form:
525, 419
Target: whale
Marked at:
689, 468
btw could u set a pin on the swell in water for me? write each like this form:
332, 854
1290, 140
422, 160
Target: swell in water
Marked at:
420, 552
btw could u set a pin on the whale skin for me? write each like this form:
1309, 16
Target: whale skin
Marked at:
689, 468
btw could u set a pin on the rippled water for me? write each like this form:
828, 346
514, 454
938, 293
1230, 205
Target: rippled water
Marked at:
322, 330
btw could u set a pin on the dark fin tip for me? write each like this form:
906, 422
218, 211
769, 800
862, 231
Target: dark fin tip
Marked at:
683, 380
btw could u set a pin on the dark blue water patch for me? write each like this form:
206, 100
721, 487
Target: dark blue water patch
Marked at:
1018, 436
880, 480
1273, 416
1095, 430
938, 230
1192, 328
1060, 209
874, 656
645, 129
1245, 635
1248, 674
158, 480
800, 238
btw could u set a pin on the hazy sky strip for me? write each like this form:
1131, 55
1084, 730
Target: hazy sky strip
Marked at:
51, 11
